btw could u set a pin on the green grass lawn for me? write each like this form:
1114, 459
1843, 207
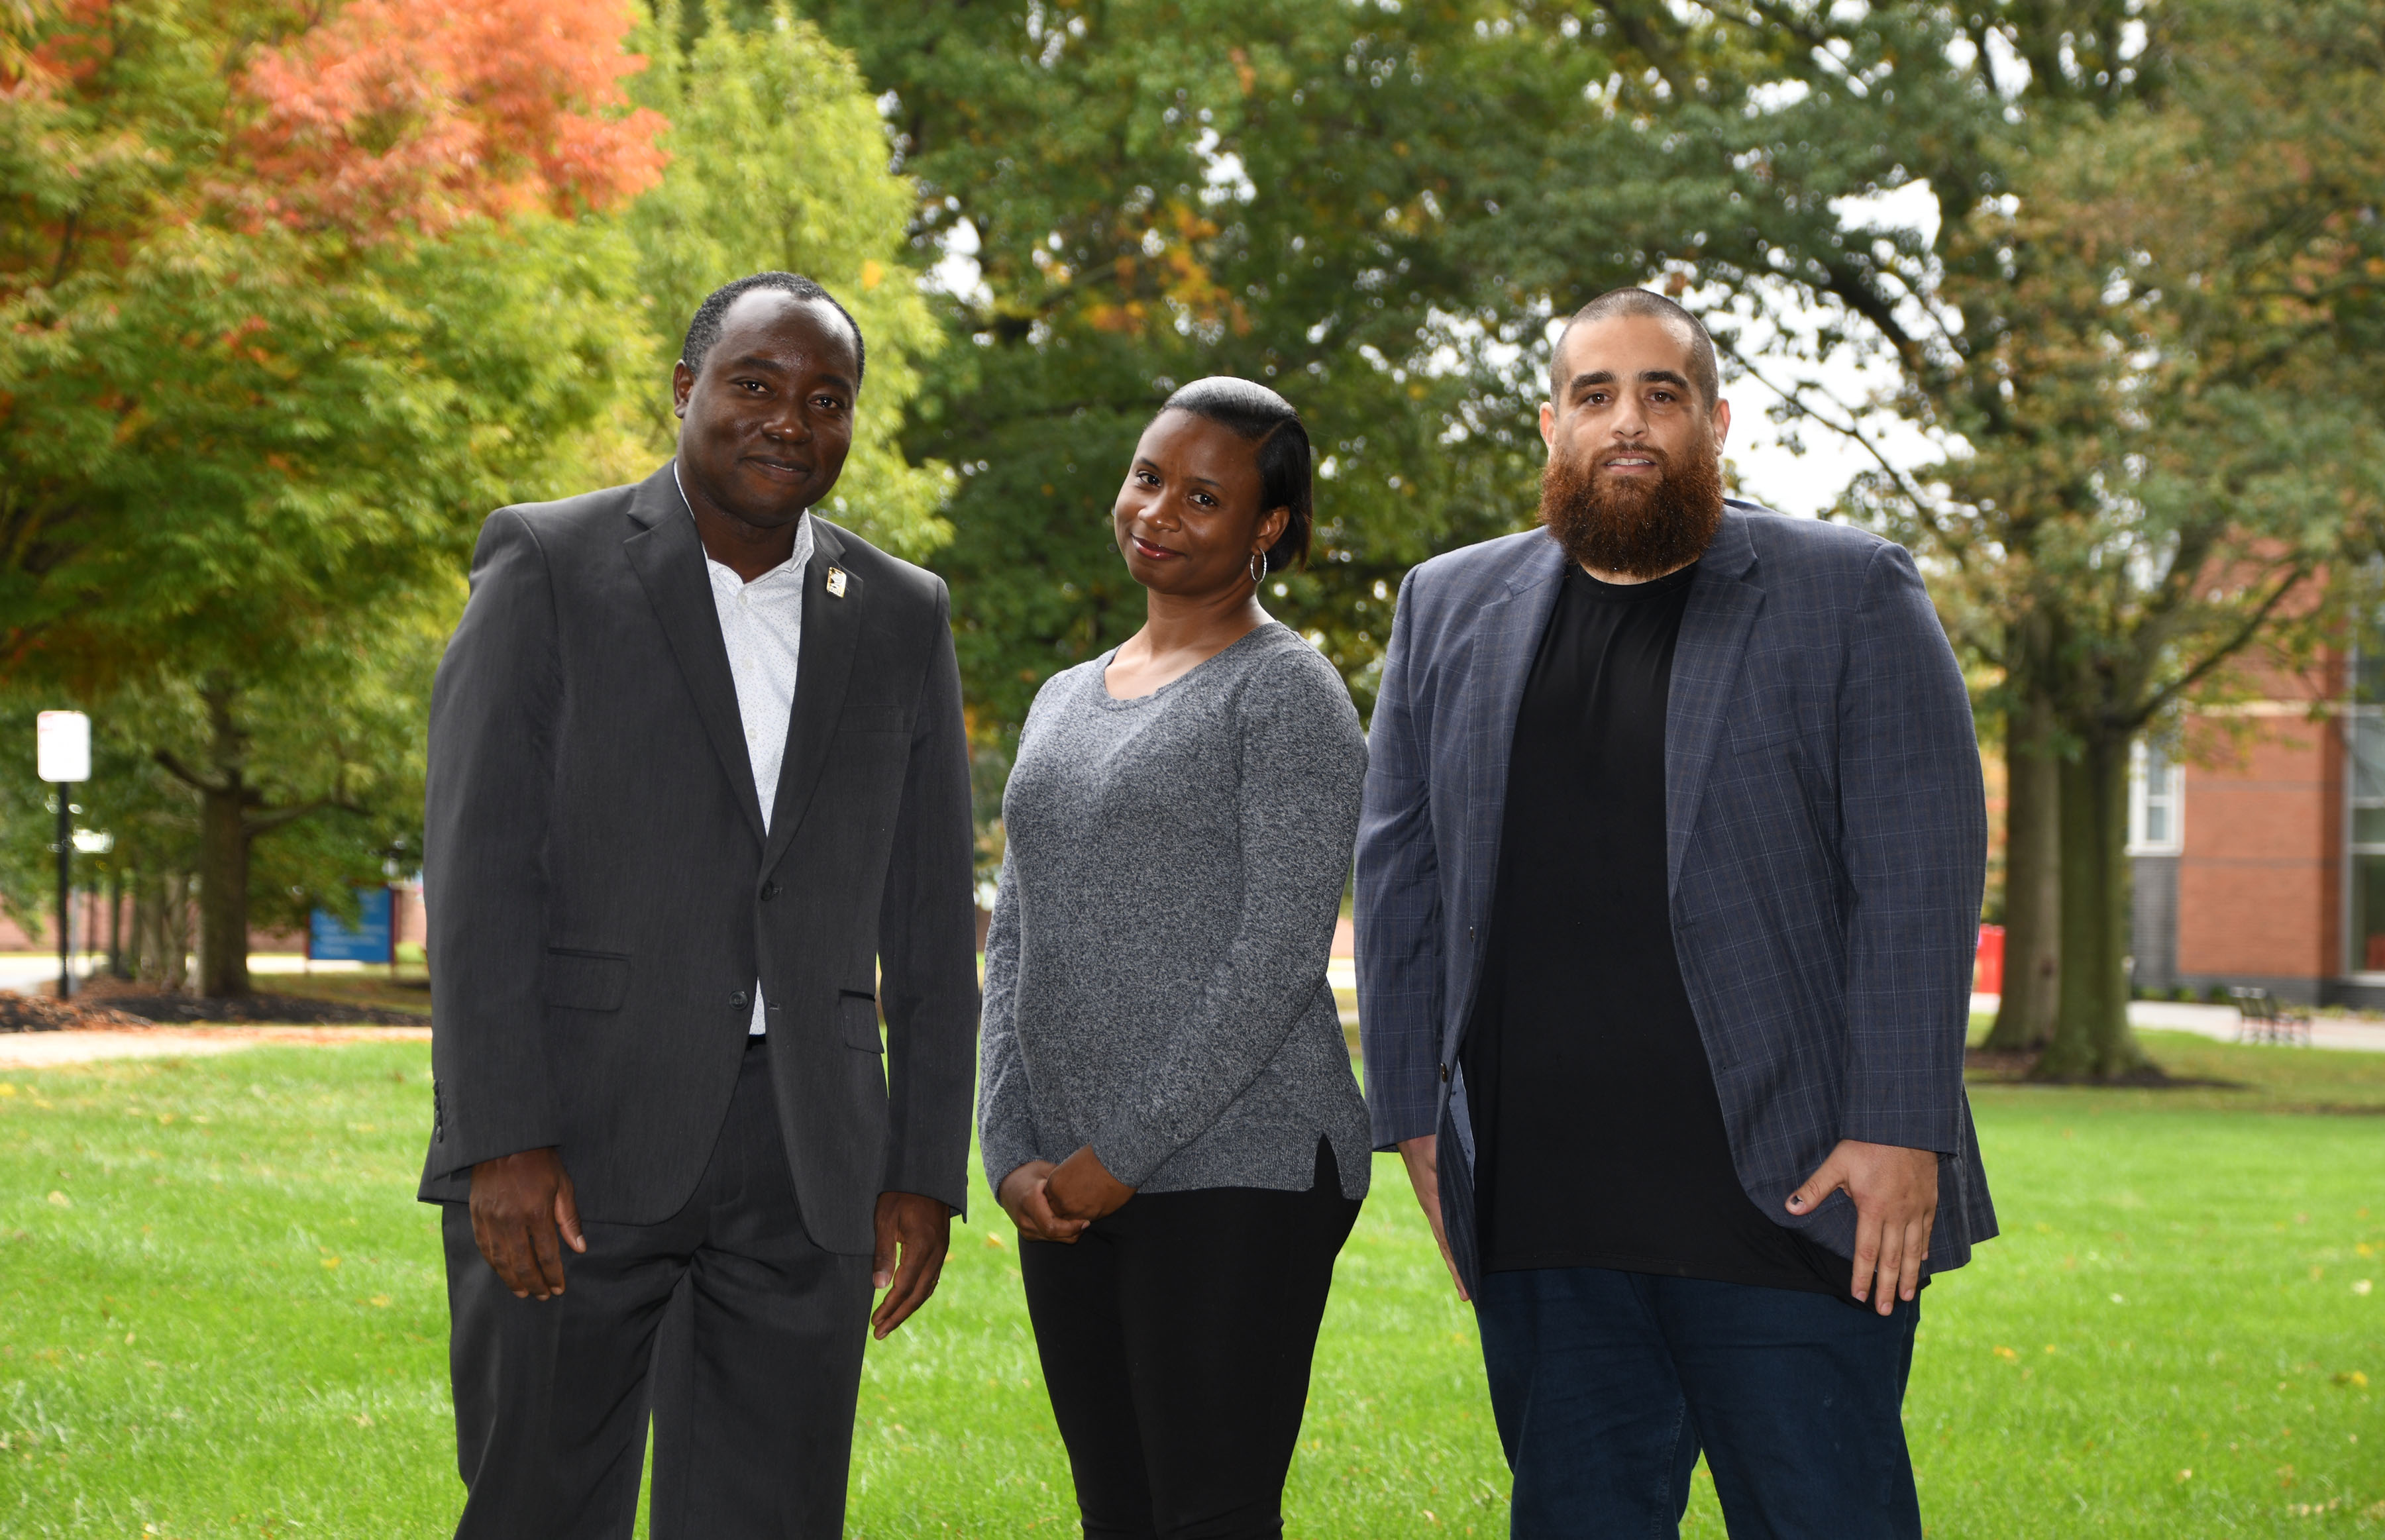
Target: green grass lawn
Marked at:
221, 1314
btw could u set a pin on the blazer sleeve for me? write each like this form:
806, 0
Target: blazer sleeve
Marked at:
1302, 760
494, 711
1398, 917
1914, 840
927, 946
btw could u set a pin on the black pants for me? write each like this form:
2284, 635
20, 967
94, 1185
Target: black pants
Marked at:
753, 1399
1175, 1337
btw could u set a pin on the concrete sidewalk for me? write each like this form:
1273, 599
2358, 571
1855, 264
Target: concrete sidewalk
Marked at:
32, 1050
2221, 1023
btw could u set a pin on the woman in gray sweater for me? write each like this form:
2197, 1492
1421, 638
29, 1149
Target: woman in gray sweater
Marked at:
1165, 1103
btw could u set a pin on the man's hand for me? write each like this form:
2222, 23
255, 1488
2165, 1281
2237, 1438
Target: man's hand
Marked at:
923, 1228
1024, 1197
519, 1202
1422, 1157
1082, 1188
1895, 1192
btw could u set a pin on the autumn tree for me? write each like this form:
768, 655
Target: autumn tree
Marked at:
293, 298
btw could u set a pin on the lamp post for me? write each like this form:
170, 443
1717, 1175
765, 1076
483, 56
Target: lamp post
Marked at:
62, 739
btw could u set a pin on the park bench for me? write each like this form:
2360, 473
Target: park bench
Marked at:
2260, 1019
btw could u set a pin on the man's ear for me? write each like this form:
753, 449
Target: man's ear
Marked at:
1721, 423
1549, 424
682, 385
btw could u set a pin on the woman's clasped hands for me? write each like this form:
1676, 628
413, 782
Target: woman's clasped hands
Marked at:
1055, 1203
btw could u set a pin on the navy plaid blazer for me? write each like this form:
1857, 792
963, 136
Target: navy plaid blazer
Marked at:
1826, 835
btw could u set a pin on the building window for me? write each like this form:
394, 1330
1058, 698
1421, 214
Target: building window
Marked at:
2367, 844
2157, 801
2363, 725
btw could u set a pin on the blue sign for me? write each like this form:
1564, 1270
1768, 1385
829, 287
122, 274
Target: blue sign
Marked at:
331, 939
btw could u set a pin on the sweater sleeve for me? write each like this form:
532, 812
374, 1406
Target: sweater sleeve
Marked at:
1300, 762
1005, 1115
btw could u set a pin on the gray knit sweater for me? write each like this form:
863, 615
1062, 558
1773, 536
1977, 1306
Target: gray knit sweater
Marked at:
1155, 974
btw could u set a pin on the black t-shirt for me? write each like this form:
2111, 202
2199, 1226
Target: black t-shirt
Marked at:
1598, 1134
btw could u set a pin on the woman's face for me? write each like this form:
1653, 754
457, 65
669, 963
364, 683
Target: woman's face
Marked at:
1188, 519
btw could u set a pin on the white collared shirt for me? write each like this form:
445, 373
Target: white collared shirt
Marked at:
762, 626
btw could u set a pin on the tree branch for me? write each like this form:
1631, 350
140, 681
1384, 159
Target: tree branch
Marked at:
190, 777
269, 819
2228, 648
1852, 429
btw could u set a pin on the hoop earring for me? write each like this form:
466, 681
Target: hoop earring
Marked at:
1258, 563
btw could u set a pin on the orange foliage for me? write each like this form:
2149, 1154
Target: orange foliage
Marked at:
415, 114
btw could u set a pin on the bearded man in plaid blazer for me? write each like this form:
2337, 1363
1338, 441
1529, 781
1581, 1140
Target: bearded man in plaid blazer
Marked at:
1669, 886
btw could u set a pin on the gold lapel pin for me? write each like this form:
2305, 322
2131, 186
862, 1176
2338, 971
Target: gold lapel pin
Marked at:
836, 582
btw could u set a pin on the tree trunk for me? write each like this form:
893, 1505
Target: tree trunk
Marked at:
115, 962
223, 855
2092, 1037
174, 922
2032, 878
223, 893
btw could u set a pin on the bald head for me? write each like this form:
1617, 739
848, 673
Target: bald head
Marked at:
1705, 377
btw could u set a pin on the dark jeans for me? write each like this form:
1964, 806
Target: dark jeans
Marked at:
752, 1402
1175, 1337
1607, 1385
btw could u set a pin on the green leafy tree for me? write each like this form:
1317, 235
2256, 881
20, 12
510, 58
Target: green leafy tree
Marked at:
779, 161
1155, 192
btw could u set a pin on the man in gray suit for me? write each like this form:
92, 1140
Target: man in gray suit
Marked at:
698, 806
1668, 882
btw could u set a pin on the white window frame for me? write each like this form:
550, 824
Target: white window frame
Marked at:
2142, 795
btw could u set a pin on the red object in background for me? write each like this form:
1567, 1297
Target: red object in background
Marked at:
1988, 971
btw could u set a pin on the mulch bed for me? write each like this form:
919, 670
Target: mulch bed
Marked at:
40, 1013
117, 1009
291, 1010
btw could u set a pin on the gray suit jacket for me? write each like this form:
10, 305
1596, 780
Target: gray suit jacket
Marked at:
1826, 834
602, 897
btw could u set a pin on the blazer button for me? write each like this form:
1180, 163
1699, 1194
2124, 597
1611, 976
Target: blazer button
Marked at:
769, 891
738, 999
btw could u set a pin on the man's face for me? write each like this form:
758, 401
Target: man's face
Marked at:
1634, 480
768, 422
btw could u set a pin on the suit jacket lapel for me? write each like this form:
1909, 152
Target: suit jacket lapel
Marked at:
823, 668
1506, 638
1722, 607
667, 556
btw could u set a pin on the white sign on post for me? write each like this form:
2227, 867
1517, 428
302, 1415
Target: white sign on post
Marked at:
63, 738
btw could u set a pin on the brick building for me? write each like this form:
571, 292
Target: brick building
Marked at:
2259, 848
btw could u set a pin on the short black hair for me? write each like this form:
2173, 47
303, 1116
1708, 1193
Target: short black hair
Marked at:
1254, 412
704, 330
1704, 373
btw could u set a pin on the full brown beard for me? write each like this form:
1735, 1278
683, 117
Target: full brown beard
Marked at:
1639, 525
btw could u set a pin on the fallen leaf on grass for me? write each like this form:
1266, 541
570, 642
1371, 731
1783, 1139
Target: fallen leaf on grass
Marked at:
2007, 1355
60, 1201
2352, 1377
993, 1243
2363, 1287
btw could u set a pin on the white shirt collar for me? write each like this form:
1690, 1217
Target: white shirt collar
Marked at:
796, 560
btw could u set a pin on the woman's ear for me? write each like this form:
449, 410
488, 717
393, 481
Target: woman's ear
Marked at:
1270, 529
